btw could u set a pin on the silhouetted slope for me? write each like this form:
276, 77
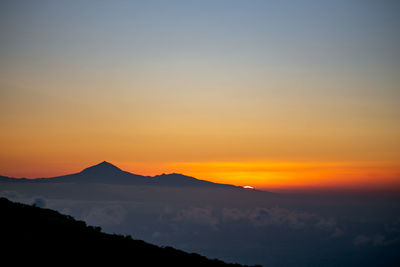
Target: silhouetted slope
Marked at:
11, 179
176, 179
39, 235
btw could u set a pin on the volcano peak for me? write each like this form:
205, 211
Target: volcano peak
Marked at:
103, 167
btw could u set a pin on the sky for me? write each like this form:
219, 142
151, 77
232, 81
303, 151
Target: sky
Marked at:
272, 94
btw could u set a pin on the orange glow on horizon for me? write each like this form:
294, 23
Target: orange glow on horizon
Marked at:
284, 175
266, 175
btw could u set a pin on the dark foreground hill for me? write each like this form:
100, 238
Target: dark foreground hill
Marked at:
43, 236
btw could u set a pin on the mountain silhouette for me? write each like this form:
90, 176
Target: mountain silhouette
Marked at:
102, 168
107, 173
36, 235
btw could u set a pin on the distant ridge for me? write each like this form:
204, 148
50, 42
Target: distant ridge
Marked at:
107, 173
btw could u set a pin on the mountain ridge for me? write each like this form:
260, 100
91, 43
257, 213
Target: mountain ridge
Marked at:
107, 173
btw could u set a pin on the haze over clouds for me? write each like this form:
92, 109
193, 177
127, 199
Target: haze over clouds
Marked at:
244, 226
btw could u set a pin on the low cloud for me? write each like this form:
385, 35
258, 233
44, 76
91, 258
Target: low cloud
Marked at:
326, 224
233, 214
39, 202
338, 232
279, 216
197, 215
108, 215
376, 240
361, 240
10, 194
193, 215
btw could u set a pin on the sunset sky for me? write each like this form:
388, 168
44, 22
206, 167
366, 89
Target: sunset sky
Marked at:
272, 94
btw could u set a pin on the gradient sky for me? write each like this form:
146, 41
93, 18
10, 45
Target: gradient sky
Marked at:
264, 93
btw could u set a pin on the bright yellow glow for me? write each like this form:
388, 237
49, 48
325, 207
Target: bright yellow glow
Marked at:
271, 175
248, 187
